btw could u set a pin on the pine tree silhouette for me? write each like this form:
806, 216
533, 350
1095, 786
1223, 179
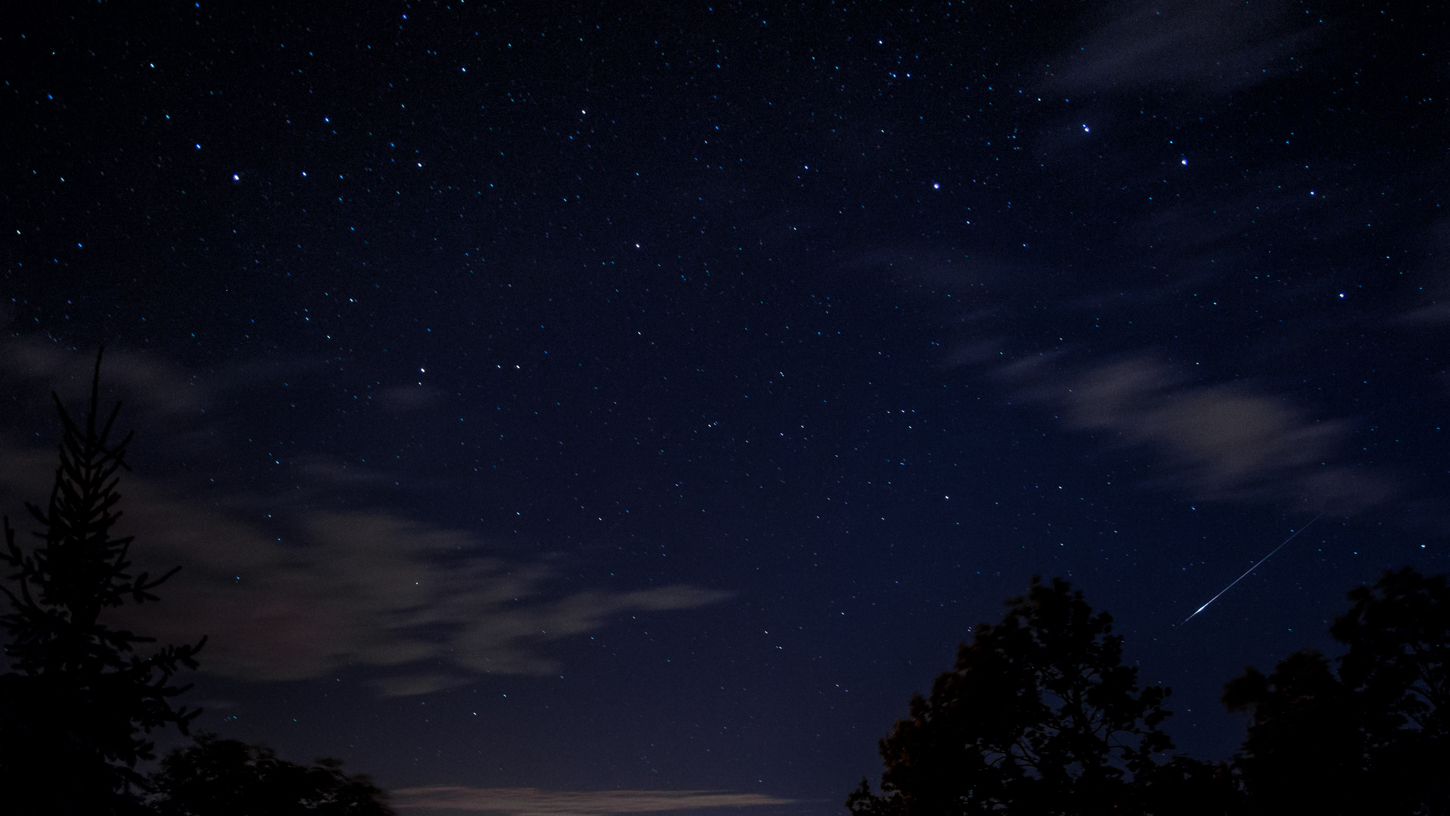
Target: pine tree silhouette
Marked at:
78, 700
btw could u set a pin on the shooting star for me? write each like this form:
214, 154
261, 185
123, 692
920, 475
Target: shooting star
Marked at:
1251, 569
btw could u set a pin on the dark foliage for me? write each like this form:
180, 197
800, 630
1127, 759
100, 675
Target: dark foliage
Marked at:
1038, 716
1398, 663
222, 777
1304, 747
1374, 738
1186, 787
78, 700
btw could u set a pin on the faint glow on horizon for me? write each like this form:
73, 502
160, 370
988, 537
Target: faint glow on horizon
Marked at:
595, 803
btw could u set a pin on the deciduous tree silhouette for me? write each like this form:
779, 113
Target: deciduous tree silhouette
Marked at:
1184, 786
1038, 716
78, 701
1304, 751
1398, 663
1374, 738
223, 777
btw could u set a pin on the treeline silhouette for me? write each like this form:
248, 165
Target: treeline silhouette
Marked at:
1039, 717
78, 702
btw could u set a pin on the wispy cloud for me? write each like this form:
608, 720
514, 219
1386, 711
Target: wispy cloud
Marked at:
286, 591
401, 399
1239, 441
141, 379
1213, 45
1216, 441
535, 802
1431, 306
363, 589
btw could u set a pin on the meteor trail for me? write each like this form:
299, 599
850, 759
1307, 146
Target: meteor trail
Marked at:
1251, 569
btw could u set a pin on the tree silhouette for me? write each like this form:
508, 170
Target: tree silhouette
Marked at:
78, 701
1304, 749
1374, 738
1398, 663
224, 777
1038, 716
1184, 786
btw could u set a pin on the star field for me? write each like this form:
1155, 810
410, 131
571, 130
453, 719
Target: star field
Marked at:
649, 398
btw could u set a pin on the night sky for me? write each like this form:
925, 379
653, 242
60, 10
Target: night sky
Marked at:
634, 401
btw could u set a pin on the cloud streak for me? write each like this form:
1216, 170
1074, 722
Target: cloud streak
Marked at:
535, 802
1216, 441
140, 378
364, 589
1215, 46
287, 591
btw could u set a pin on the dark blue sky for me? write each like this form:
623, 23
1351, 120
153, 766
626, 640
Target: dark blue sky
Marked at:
651, 397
